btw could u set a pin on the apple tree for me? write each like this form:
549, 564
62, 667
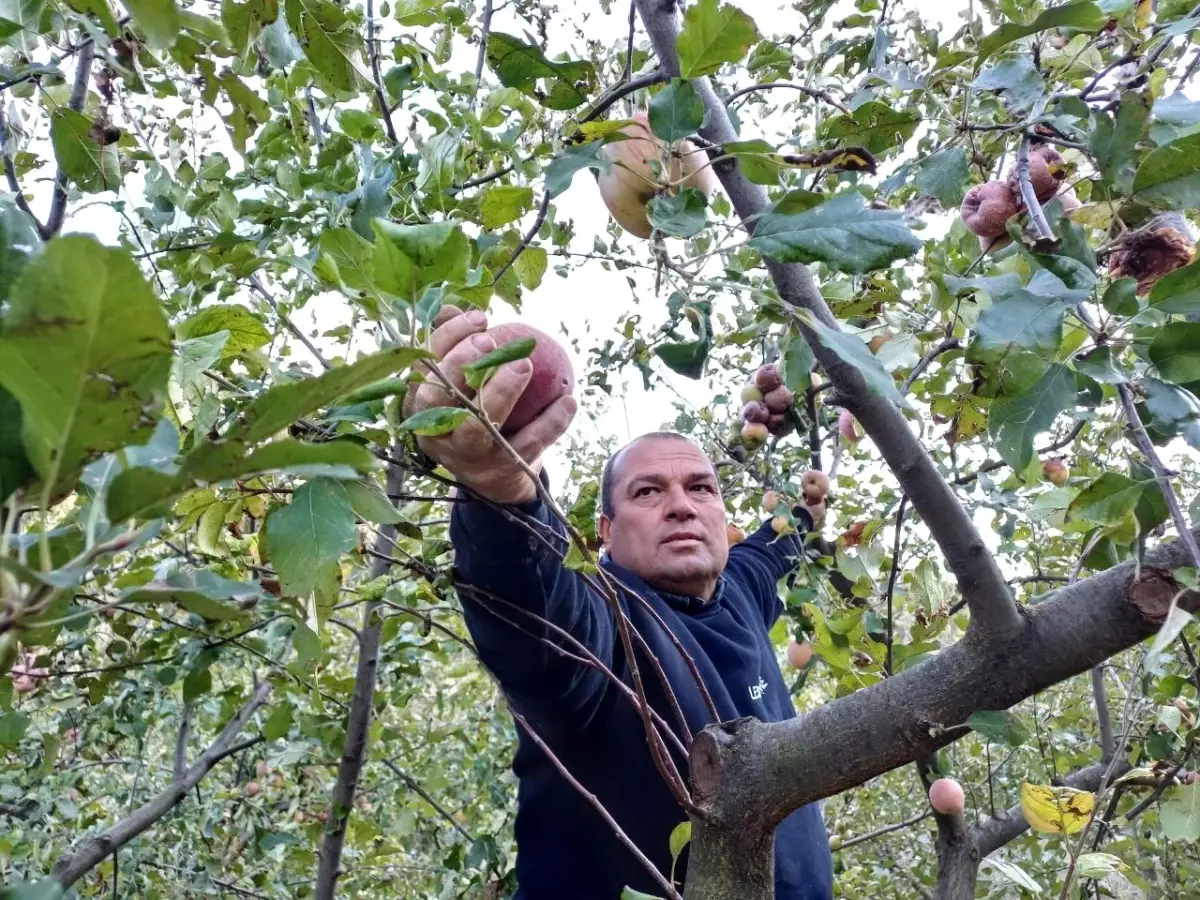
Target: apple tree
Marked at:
233, 656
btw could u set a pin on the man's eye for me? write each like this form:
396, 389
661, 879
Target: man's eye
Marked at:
703, 487
643, 491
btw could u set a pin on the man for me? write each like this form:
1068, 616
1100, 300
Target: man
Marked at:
663, 529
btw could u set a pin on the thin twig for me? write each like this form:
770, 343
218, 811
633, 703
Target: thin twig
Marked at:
425, 795
527, 237
373, 53
815, 93
886, 829
1142, 439
1103, 718
620, 90
892, 578
1037, 216
289, 324
592, 799
10, 172
185, 727
927, 359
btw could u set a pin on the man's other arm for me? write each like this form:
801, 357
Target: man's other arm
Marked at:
764, 557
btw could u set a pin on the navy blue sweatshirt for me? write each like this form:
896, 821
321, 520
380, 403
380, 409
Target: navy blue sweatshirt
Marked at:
564, 848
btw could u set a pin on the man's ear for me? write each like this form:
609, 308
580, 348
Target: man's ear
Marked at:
604, 529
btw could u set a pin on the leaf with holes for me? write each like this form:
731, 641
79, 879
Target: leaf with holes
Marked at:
1014, 421
713, 34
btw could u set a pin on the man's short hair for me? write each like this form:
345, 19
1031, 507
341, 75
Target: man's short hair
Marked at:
609, 474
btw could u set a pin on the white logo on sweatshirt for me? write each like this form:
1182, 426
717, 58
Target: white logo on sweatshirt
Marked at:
757, 690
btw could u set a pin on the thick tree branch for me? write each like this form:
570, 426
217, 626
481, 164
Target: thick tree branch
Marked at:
91, 851
58, 202
354, 749
748, 775
485, 28
979, 578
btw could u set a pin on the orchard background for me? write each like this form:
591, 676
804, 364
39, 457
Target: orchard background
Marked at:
234, 669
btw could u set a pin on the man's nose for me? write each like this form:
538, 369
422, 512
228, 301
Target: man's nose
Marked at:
679, 504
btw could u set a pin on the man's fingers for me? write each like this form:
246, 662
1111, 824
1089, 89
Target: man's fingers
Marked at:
432, 391
535, 438
455, 329
445, 314
502, 391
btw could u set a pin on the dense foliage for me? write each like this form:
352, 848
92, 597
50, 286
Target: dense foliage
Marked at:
193, 483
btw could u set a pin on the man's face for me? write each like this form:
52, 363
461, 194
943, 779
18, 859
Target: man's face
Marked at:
668, 522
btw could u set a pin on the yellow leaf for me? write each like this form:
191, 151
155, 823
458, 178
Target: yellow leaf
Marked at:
1056, 810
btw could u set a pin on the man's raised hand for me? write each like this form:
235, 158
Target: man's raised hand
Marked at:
470, 452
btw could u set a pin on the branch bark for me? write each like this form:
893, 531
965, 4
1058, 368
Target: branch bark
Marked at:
749, 775
354, 749
91, 851
979, 578
58, 202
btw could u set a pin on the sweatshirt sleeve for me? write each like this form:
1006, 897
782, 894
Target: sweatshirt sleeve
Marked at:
498, 556
764, 557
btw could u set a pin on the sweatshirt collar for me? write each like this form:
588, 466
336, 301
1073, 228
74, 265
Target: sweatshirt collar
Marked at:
684, 602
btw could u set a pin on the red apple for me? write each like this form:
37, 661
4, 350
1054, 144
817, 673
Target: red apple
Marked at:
553, 376
946, 797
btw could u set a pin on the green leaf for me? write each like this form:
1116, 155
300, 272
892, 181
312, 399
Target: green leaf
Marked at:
140, 492
19, 243
283, 404
246, 330
795, 365
875, 126
531, 266
998, 726
676, 112
578, 561
1174, 116
1083, 15
93, 167
679, 215
12, 729
944, 175
630, 894
435, 421
686, 358
1022, 319
713, 34
86, 351
158, 19
1120, 298
196, 684
1180, 813
478, 371
1017, 77
279, 723
370, 504
1175, 350
1014, 421
1170, 176
1176, 292
1173, 410
1108, 499
681, 835
204, 593
330, 40
842, 232
439, 251
561, 171
503, 204
26, 19
853, 351
244, 21
555, 85
1099, 364
1114, 141
307, 537
15, 468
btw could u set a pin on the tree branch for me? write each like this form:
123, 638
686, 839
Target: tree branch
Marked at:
815, 93
185, 727
485, 27
979, 578
354, 748
424, 795
621, 90
58, 202
91, 851
529, 235
373, 52
1142, 439
749, 775
1103, 717
10, 173
288, 323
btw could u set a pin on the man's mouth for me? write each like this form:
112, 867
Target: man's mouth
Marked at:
684, 537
